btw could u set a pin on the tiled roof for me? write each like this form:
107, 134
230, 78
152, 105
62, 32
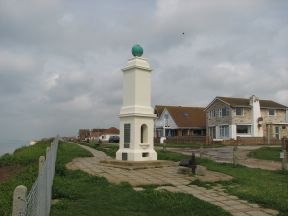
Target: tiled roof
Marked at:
188, 117
112, 130
246, 102
98, 130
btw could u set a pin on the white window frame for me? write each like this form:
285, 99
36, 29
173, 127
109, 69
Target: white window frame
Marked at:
213, 113
220, 112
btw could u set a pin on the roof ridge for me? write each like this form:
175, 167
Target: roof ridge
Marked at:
233, 97
179, 106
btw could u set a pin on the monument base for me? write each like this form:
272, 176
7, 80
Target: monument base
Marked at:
136, 155
137, 164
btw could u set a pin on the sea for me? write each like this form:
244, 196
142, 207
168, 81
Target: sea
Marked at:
10, 145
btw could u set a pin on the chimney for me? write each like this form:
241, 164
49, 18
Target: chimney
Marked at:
257, 129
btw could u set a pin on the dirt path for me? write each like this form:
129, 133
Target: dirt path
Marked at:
7, 171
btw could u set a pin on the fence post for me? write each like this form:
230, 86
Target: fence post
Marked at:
235, 156
48, 178
284, 152
19, 200
201, 150
41, 186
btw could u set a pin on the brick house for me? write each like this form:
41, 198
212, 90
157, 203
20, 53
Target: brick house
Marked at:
229, 117
84, 134
179, 121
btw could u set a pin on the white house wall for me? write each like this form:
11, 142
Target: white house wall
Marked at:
160, 122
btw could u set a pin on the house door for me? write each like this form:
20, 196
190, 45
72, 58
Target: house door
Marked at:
277, 132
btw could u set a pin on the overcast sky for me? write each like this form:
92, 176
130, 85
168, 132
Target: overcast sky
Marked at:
61, 60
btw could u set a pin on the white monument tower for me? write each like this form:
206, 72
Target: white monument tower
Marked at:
137, 115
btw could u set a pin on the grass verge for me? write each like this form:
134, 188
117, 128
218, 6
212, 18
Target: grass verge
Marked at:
266, 153
27, 158
80, 194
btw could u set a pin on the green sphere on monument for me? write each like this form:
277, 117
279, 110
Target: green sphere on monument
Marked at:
137, 50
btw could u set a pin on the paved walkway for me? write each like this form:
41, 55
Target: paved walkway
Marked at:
170, 180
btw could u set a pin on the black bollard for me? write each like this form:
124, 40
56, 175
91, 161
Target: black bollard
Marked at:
193, 163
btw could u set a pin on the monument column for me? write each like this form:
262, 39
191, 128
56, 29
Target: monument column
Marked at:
137, 115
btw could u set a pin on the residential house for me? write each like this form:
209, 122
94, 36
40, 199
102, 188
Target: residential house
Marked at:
84, 134
229, 117
103, 134
96, 133
179, 121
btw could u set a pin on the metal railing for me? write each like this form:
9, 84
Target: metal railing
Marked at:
38, 200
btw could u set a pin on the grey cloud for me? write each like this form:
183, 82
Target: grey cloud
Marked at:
63, 67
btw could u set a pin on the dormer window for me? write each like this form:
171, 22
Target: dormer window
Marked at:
186, 115
239, 111
272, 112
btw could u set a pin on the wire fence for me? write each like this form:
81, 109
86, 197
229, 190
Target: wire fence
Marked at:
38, 200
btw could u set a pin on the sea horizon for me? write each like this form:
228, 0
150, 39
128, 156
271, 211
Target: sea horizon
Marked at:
10, 145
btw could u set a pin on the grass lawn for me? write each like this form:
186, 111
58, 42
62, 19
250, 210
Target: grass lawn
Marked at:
266, 153
81, 194
268, 188
26, 158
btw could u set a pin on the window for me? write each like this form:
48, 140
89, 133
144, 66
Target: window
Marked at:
166, 119
186, 115
243, 129
127, 128
277, 132
124, 156
213, 113
224, 131
272, 112
239, 111
166, 116
225, 111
